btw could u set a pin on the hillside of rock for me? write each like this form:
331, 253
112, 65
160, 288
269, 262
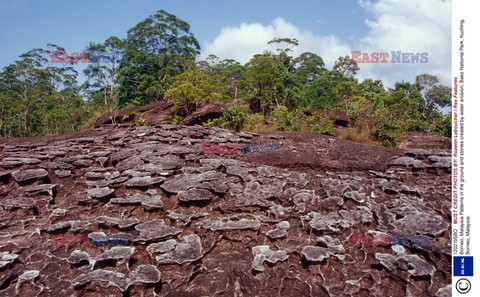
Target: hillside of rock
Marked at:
222, 225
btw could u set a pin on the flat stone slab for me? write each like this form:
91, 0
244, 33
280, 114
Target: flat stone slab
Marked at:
99, 192
20, 202
263, 253
231, 225
155, 230
29, 174
194, 195
144, 181
188, 250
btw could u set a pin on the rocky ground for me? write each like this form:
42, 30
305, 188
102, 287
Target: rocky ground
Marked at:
208, 225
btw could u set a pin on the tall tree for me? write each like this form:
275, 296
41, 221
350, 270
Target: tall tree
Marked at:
102, 68
193, 88
435, 95
157, 50
308, 67
263, 77
346, 66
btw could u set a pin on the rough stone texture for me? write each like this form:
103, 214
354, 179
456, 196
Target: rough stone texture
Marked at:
29, 174
263, 253
222, 225
189, 249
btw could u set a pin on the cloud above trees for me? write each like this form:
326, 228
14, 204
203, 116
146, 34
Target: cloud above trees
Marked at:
393, 25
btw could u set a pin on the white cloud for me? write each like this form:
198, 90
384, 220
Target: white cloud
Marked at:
396, 25
408, 26
242, 42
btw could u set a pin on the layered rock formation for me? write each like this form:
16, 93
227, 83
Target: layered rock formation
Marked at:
208, 225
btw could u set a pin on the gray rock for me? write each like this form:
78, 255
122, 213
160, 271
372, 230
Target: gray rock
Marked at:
115, 279
20, 202
161, 247
121, 224
194, 195
44, 188
280, 231
77, 256
411, 263
117, 253
63, 173
7, 259
147, 274
262, 253
29, 174
407, 162
155, 230
99, 192
82, 163
144, 181
28, 276
444, 292
188, 250
242, 224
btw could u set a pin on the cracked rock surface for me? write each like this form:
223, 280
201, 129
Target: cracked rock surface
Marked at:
221, 225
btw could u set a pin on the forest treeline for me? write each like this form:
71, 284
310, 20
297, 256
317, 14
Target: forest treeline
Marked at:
158, 61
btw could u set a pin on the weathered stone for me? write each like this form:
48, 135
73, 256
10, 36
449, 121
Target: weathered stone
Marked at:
77, 256
129, 163
188, 250
280, 231
29, 174
411, 263
44, 188
147, 274
82, 163
331, 247
356, 196
407, 161
155, 230
7, 259
26, 161
130, 199
20, 202
117, 253
28, 276
194, 195
263, 253
99, 192
242, 224
121, 224
111, 278
153, 202
444, 292
63, 173
144, 181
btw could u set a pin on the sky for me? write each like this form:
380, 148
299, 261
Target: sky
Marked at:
239, 29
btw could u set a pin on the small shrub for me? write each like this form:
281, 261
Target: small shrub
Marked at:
177, 120
141, 122
444, 126
322, 124
286, 120
418, 126
389, 133
214, 123
234, 117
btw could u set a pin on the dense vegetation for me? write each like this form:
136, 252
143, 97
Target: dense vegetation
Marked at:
157, 61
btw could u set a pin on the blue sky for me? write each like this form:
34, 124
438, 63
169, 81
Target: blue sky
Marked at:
330, 28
